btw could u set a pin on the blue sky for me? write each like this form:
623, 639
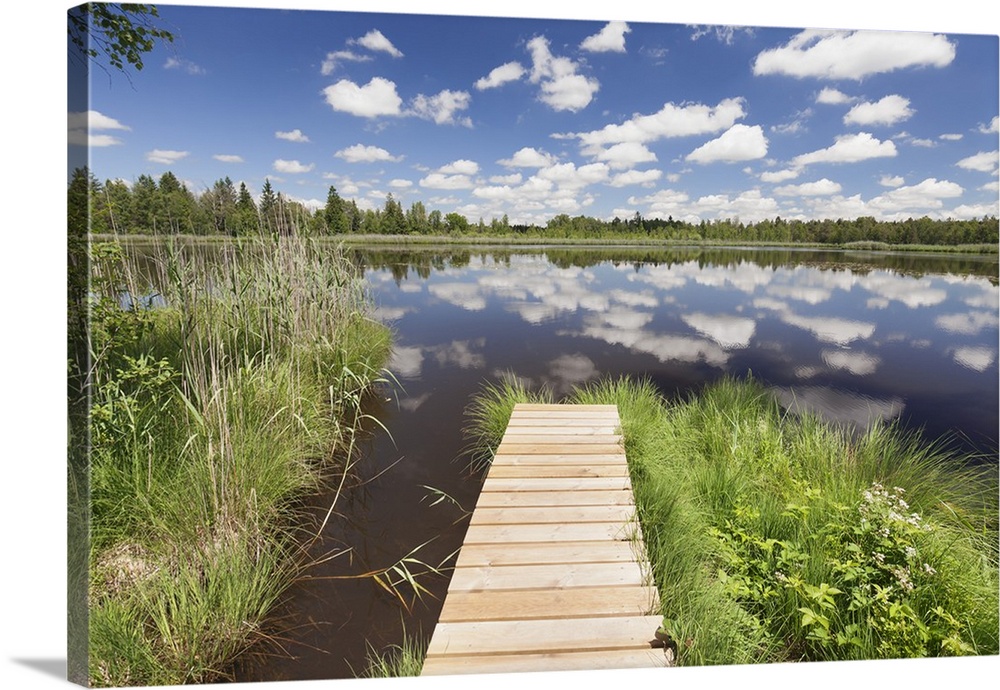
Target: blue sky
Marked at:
531, 117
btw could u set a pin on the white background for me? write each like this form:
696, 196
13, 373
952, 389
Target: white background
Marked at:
32, 384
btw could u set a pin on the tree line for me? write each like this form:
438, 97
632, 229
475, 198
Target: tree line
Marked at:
167, 206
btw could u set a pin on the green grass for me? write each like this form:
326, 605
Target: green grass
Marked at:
211, 415
397, 661
780, 538
489, 412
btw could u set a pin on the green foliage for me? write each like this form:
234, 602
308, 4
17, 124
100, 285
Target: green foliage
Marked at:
149, 209
224, 388
121, 33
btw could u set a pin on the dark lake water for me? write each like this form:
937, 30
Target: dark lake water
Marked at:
855, 337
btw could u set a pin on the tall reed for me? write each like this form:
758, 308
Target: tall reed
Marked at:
226, 385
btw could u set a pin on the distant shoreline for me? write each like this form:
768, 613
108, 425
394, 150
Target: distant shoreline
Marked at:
536, 241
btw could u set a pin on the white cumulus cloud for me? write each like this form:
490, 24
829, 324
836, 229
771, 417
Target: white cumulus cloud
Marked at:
442, 181
992, 128
984, 161
775, 176
925, 194
377, 97
626, 155
360, 153
828, 54
166, 157
514, 178
375, 41
849, 148
291, 167
738, 143
886, 111
610, 39
228, 158
528, 157
562, 88
295, 135
891, 181
442, 107
831, 96
460, 167
330, 63
671, 120
509, 71
633, 177
822, 187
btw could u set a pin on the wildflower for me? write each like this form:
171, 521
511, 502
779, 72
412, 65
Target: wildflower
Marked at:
903, 578
910, 552
929, 570
880, 557
781, 577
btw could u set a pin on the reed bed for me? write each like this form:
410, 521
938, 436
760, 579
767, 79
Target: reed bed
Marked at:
225, 386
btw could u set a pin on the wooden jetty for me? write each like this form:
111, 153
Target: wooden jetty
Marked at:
553, 573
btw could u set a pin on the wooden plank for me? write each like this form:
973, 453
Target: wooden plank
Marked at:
564, 407
553, 661
507, 637
542, 448
535, 553
552, 514
552, 576
515, 604
591, 531
557, 484
542, 421
563, 430
539, 420
562, 458
571, 439
499, 499
504, 471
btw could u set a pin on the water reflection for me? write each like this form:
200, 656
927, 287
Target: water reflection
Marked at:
839, 332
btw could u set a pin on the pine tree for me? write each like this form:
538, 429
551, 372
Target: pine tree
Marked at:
145, 203
268, 204
393, 219
247, 222
333, 213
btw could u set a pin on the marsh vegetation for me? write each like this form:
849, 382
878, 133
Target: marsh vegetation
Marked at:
222, 392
